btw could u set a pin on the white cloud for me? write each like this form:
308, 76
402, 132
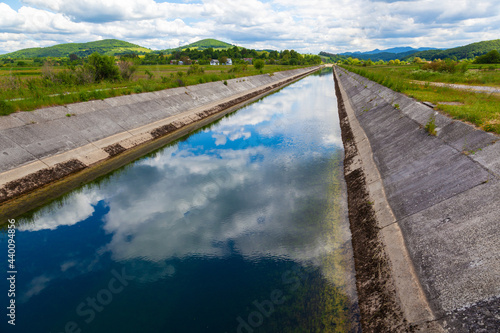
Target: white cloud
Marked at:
306, 26
117, 10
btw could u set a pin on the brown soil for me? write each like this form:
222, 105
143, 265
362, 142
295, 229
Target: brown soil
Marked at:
39, 178
114, 150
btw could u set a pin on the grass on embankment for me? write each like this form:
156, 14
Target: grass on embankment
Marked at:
480, 109
29, 92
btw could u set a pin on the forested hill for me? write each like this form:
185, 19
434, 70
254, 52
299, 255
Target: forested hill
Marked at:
203, 45
106, 46
463, 52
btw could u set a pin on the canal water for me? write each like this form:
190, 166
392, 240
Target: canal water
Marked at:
239, 227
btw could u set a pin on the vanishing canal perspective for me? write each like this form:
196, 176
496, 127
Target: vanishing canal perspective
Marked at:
239, 227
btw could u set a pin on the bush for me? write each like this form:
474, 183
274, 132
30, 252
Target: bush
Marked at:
127, 69
492, 57
447, 65
195, 69
258, 64
103, 67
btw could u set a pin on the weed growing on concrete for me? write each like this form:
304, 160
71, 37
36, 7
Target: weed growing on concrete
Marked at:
397, 106
430, 127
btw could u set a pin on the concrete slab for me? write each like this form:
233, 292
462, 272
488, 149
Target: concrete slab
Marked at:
112, 139
455, 247
489, 157
88, 154
464, 137
45, 139
93, 126
47, 114
10, 122
128, 117
429, 181
85, 107
12, 155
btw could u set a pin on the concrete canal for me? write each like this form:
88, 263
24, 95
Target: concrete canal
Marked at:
239, 227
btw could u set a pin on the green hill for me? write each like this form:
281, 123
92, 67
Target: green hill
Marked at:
202, 45
463, 52
106, 46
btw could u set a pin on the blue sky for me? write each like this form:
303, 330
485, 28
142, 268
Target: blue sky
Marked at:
306, 26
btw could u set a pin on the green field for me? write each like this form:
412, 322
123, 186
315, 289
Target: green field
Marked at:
480, 109
26, 88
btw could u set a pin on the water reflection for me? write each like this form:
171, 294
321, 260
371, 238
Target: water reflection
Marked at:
261, 189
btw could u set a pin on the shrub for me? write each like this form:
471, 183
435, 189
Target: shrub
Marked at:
195, 69
258, 64
492, 57
127, 69
103, 67
447, 65
149, 74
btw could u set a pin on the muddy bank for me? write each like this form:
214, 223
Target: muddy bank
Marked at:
379, 307
38, 152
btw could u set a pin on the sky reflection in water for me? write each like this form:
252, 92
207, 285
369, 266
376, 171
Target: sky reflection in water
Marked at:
204, 226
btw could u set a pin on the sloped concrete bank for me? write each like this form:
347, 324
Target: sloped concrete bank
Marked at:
44, 146
424, 213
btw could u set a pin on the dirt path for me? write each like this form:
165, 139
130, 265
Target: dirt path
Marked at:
480, 89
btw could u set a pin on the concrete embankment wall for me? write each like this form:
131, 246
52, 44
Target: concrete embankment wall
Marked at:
424, 212
40, 147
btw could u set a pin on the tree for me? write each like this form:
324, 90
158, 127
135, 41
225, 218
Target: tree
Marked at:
417, 60
258, 64
73, 57
222, 60
492, 57
103, 67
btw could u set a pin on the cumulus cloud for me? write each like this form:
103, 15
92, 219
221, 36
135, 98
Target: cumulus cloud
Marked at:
98, 11
309, 27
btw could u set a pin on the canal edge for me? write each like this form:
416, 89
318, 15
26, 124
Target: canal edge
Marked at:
390, 296
29, 186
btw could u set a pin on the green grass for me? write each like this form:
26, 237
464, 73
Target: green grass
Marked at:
476, 74
482, 110
28, 92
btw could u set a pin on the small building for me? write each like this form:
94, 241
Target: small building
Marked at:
229, 61
214, 62
180, 62
248, 60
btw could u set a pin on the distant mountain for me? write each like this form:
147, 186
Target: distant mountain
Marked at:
463, 52
395, 50
385, 55
202, 45
106, 46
